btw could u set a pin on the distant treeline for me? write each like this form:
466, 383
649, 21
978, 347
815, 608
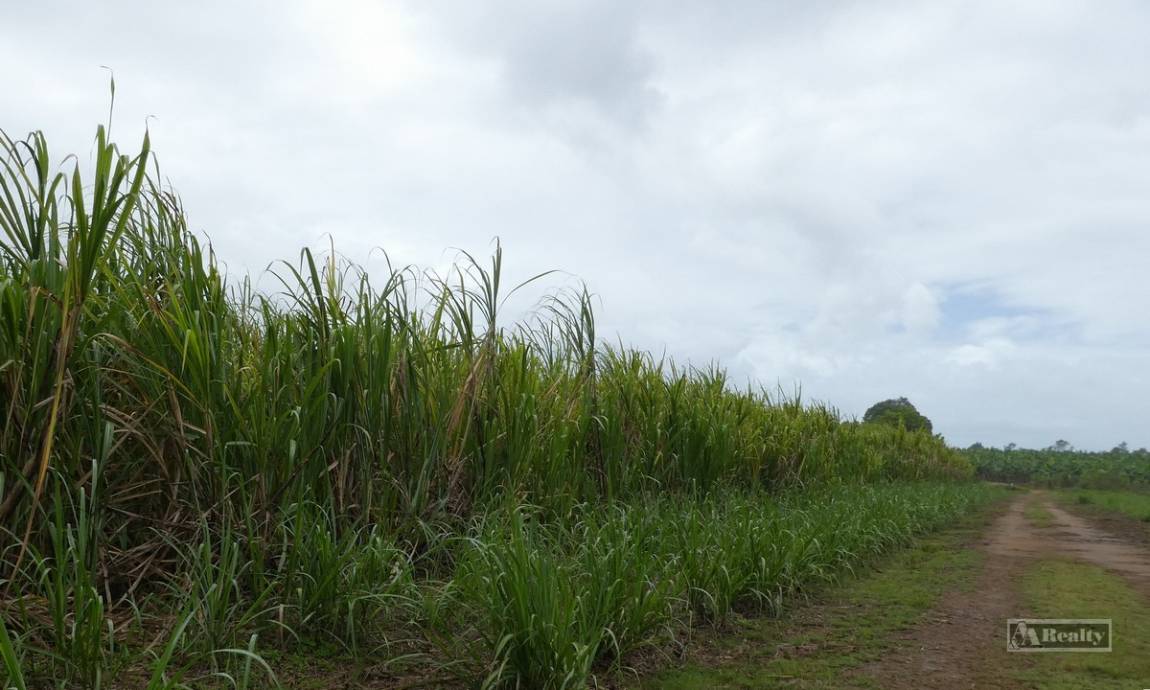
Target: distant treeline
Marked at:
1062, 465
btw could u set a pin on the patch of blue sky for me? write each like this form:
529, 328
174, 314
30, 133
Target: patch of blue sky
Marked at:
978, 311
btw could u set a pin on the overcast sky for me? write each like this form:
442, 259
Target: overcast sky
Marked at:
944, 200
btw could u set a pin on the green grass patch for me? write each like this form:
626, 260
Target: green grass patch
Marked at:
1037, 514
1129, 503
819, 644
1058, 589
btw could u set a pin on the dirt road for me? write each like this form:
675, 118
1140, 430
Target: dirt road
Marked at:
961, 644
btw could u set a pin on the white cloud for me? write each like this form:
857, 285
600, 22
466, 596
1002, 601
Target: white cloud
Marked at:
920, 310
941, 200
988, 354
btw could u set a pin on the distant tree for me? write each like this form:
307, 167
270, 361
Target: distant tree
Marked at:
1061, 446
1121, 448
977, 446
896, 411
1010, 446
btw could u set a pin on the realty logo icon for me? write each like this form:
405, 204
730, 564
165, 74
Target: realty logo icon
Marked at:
1059, 635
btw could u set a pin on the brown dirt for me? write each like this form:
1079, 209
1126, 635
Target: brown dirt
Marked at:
1083, 540
961, 644
1131, 529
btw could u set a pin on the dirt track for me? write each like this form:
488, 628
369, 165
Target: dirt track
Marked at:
958, 644
1073, 537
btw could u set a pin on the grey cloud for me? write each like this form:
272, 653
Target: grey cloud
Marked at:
561, 56
807, 192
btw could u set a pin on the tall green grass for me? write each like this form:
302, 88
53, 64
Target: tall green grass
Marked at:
1130, 503
554, 603
296, 461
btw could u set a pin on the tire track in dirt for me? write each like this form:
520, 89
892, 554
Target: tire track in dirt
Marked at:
1079, 539
961, 643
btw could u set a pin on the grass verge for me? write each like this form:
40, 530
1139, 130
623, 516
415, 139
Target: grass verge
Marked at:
1060, 589
1128, 503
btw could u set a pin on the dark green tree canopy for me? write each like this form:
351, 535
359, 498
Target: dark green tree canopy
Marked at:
892, 412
